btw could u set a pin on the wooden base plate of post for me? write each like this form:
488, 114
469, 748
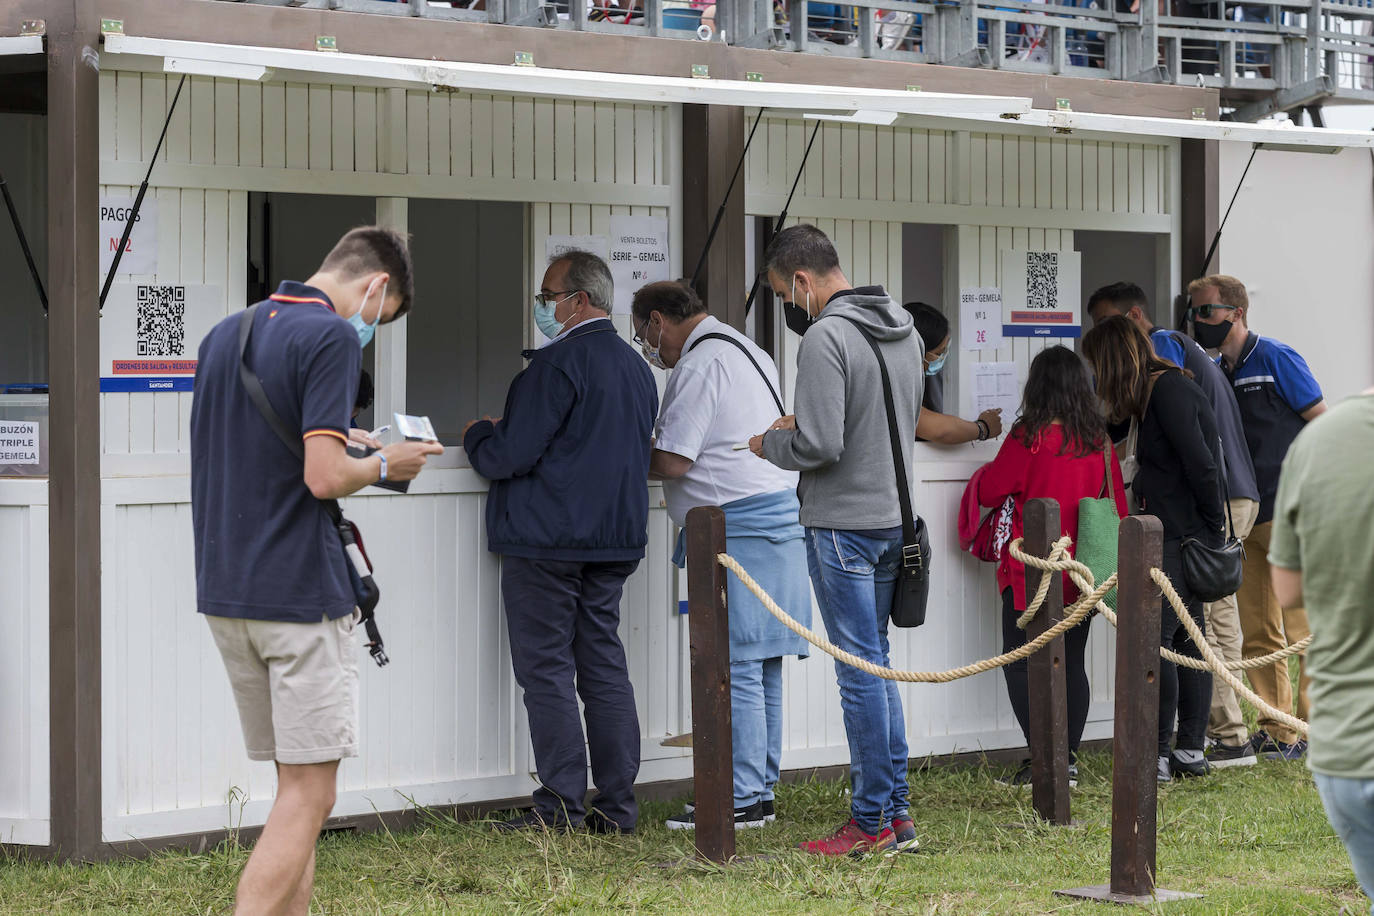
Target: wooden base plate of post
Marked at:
1104, 893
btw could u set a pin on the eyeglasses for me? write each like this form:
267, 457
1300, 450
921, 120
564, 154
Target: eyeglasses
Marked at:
638, 337
1205, 311
551, 298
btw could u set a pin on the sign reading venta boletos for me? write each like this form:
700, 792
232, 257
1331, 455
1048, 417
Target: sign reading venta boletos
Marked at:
1040, 291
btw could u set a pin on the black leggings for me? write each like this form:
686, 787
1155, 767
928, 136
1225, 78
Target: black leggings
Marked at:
1184, 691
1075, 674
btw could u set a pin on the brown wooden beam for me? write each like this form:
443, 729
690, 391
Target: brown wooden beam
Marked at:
360, 33
1199, 181
1045, 675
712, 143
73, 431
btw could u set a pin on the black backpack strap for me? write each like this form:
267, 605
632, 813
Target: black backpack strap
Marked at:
745, 350
368, 594
911, 550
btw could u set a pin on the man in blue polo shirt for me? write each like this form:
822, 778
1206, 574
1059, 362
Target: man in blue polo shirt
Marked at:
271, 574
1278, 397
1230, 739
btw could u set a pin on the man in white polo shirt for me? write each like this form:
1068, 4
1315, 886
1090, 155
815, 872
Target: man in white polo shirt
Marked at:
724, 389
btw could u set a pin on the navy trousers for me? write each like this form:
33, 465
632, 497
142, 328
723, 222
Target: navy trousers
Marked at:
562, 617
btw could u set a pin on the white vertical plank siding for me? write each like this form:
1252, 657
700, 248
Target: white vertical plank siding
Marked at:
24, 803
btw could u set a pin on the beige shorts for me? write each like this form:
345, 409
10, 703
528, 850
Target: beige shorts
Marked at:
296, 686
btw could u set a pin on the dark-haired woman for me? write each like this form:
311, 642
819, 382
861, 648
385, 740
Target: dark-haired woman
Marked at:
1178, 451
1058, 449
931, 424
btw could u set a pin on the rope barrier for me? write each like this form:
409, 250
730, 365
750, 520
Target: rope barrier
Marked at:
1075, 614
1091, 598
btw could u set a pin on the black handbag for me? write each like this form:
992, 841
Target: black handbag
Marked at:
913, 576
365, 590
1213, 573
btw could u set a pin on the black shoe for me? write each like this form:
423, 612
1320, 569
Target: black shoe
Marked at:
1261, 743
1022, 776
529, 820
1295, 751
769, 812
601, 825
1221, 755
1179, 767
752, 816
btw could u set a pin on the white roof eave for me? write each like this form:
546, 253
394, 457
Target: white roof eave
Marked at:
248, 62
21, 44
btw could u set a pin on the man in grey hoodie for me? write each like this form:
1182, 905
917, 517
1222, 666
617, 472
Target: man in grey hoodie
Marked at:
839, 441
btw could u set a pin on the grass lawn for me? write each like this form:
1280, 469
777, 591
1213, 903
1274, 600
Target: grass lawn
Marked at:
1253, 840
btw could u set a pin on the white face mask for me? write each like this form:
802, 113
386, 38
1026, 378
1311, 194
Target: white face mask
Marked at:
653, 354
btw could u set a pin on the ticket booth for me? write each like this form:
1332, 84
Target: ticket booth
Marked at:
270, 154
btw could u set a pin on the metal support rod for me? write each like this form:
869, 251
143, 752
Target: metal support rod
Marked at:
138, 201
782, 217
709, 628
1212, 249
24, 244
1049, 711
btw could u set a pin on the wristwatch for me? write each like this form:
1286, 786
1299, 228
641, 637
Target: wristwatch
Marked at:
383, 460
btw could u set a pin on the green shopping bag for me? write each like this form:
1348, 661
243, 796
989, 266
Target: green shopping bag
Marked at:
1098, 522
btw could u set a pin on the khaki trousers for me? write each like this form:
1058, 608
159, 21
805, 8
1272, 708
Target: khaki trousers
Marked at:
1226, 722
1268, 628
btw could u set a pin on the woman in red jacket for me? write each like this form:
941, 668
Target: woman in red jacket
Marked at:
1054, 451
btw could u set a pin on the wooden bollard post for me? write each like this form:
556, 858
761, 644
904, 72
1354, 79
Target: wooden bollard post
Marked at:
1049, 708
709, 627
1135, 733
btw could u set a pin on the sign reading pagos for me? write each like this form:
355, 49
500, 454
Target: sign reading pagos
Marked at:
1040, 293
140, 252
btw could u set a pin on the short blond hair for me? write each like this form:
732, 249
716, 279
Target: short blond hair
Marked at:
1229, 290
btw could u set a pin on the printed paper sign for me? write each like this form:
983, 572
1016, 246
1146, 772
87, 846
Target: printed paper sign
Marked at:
980, 318
150, 333
994, 386
555, 245
19, 442
1040, 292
140, 252
639, 256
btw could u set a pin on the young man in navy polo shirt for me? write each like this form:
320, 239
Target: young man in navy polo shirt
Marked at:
271, 575
1278, 397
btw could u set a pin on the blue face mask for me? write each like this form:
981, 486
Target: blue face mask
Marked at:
544, 318
365, 330
936, 365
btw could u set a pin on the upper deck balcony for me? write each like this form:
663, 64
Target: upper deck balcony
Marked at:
1262, 57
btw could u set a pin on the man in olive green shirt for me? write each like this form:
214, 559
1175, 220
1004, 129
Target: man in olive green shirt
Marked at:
1322, 554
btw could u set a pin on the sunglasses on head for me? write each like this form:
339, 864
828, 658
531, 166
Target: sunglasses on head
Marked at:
1206, 311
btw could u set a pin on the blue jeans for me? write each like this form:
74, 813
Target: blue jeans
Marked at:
756, 728
854, 574
1349, 807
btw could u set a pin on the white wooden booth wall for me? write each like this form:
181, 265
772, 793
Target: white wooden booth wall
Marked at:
991, 191
444, 723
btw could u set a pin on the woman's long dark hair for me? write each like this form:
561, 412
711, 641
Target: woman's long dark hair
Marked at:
1123, 359
1059, 388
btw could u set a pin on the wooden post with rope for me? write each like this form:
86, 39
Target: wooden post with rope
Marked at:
1136, 729
709, 629
1049, 715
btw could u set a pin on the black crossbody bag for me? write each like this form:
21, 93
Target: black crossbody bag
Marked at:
365, 590
1213, 573
913, 577
745, 350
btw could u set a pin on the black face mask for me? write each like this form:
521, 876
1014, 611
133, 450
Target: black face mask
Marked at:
797, 318
1211, 336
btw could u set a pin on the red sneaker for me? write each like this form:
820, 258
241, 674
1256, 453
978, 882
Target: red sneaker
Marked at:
849, 840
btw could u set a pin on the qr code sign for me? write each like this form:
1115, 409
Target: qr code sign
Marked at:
161, 320
1042, 279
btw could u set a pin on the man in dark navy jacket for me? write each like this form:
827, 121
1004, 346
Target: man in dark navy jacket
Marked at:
568, 512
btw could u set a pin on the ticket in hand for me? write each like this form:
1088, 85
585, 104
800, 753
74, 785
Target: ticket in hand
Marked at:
415, 429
